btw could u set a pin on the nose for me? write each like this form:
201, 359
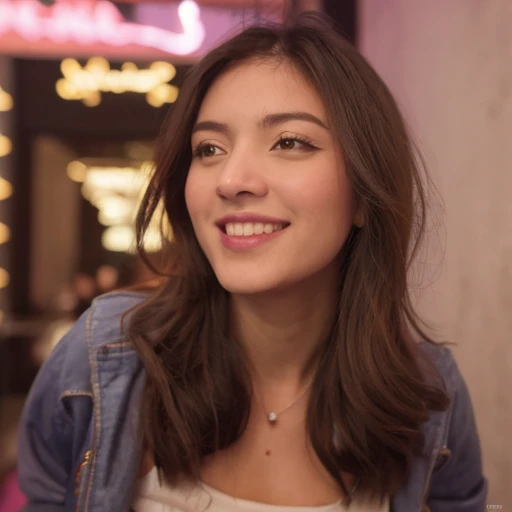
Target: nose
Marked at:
241, 176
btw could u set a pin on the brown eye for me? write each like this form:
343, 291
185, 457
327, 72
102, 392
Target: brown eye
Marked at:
206, 150
295, 143
287, 144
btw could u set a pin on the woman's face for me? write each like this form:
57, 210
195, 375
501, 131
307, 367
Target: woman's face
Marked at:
267, 190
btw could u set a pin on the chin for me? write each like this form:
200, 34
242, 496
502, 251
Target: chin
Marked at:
246, 286
249, 284
264, 277
258, 283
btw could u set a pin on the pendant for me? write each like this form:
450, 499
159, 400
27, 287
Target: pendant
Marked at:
272, 418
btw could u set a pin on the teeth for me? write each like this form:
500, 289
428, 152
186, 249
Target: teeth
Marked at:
250, 228
258, 228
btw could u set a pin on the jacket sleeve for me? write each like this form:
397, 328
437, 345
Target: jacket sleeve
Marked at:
459, 485
45, 437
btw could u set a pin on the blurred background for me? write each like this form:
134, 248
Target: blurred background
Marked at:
84, 88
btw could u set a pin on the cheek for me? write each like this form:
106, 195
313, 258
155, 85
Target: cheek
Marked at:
198, 202
325, 202
194, 195
189, 198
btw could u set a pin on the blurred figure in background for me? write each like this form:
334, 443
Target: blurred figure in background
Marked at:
11, 497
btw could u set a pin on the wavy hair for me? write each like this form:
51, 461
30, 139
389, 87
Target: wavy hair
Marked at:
373, 390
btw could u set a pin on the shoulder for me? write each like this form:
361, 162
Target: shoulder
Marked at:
443, 360
457, 481
107, 316
56, 421
100, 325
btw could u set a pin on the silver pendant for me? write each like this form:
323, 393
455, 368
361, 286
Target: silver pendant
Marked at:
272, 417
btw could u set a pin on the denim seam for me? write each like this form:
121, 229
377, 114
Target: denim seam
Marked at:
116, 356
118, 344
96, 406
439, 441
432, 463
449, 412
446, 432
75, 392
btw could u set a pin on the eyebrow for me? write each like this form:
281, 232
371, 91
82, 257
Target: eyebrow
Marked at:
268, 121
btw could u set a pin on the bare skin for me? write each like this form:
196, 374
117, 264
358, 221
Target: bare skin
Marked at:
270, 464
273, 464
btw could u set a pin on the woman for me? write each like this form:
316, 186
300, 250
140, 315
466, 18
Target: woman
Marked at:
280, 364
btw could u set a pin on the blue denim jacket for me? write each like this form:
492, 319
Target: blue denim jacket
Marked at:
79, 448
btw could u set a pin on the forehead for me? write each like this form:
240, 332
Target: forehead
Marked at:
256, 88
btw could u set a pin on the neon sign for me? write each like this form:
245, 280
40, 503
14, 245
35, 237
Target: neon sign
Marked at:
85, 23
88, 82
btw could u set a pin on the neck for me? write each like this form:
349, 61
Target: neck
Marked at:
282, 332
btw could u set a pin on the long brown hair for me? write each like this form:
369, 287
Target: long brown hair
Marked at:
371, 391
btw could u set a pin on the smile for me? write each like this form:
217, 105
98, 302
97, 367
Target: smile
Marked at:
251, 228
243, 236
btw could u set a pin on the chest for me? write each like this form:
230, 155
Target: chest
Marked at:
277, 463
273, 464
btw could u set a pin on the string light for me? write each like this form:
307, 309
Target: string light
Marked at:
4, 278
5, 233
5, 145
87, 83
5, 189
6, 101
76, 171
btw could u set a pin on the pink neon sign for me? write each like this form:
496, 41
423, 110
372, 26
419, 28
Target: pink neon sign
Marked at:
86, 22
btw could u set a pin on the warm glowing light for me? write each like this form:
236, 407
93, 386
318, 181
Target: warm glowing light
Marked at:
5, 189
76, 171
86, 23
119, 239
5, 233
6, 102
103, 182
153, 239
5, 145
4, 278
116, 210
122, 239
163, 93
116, 192
88, 82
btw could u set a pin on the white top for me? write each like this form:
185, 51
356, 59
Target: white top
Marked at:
151, 497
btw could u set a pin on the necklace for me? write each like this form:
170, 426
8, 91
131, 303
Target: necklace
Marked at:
272, 416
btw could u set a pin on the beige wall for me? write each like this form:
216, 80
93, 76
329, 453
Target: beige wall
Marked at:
449, 64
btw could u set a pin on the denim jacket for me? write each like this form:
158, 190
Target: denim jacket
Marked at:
79, 449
